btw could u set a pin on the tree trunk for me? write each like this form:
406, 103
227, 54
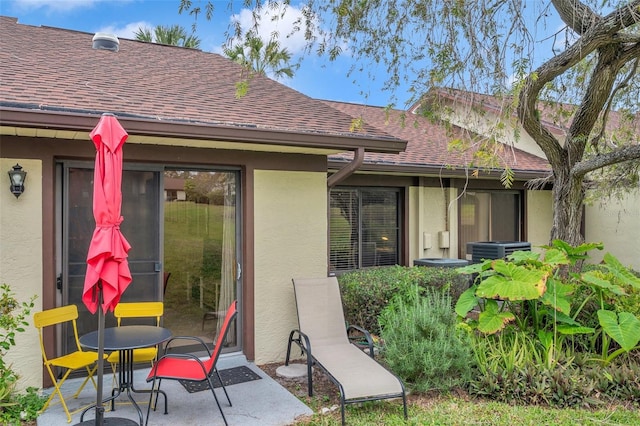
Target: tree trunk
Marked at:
568, 197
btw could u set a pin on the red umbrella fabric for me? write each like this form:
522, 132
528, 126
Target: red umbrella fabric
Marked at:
107, 257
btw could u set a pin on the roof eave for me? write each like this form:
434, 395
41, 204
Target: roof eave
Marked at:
433, 170
85, 122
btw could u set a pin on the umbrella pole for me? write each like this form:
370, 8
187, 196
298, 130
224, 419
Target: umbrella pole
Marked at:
99, 406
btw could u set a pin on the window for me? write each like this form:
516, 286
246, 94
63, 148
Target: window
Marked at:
364, 228
489, 216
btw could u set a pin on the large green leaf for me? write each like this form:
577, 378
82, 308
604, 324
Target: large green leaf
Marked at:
491, 320
623, 274
559, 317
576, 253
573, 329
555, 257
513, 282
595, 278
624, 327
474, 268
558, 295
466, 302
525, 257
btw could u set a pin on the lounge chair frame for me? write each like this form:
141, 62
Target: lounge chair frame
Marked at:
303, 341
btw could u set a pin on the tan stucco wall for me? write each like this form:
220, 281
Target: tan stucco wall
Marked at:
21, 261
290, 211
467, 117
617, 225
539, 216
430, 214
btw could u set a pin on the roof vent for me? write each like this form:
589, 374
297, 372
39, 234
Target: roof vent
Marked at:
106, 41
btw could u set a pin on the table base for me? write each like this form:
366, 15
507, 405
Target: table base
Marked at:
109, 421
125, 384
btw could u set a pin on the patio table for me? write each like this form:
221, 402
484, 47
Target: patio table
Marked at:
125, 339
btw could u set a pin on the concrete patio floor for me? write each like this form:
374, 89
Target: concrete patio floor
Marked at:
259, 402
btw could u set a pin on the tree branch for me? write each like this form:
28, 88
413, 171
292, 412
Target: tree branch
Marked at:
625, 154
578, 16
605, 116
598, 35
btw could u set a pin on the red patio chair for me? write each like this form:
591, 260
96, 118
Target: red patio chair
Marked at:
189, 367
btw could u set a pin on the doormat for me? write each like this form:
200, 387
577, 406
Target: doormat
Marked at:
230, 376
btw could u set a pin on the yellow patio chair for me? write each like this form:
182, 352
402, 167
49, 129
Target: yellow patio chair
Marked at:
70, 362
137, 310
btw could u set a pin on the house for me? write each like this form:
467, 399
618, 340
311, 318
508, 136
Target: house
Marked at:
441, 205
289, 186
612, 221
268, 151
174, 189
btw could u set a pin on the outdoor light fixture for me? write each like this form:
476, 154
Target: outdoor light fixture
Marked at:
17, 177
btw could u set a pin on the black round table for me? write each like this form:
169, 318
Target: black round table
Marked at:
125, 339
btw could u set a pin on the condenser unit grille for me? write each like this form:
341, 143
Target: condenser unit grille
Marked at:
495, 249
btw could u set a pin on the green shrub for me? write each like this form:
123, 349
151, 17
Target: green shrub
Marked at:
564, 385
536, 294
422, 344
365, 293
26, 407
14, 406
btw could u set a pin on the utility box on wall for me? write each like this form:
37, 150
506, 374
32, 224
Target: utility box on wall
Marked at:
443, 239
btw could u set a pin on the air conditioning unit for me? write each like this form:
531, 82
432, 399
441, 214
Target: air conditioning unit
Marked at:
494, 249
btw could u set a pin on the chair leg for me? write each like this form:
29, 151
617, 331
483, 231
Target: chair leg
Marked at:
90, 373
151, 402
57, 384
153, 386
286, 361
224, 388
158, 392
217, 402
310, 374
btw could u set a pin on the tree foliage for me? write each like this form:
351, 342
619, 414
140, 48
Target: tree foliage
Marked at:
566, 70
174, 35
260, 57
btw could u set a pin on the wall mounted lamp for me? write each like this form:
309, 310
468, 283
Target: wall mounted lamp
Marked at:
17, 177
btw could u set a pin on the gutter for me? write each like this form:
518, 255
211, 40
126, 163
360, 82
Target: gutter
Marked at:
347, 170
84, 121
437, 170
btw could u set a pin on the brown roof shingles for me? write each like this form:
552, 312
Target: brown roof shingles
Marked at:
56, 69
53, 69
427, 142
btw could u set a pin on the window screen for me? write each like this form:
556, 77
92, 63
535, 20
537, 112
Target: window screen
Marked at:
364, 228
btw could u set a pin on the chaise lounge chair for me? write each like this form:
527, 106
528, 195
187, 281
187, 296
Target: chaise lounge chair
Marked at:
323, 337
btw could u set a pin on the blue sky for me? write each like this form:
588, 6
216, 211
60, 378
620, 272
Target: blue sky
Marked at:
316, 77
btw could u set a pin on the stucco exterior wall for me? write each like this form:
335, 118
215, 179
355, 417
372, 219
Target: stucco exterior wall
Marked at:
290, 241
617, 225
429, 214
465, 116
21, 261
539, 216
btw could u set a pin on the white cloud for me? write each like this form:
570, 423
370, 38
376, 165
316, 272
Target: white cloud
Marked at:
53, 5
128, 31
270, 23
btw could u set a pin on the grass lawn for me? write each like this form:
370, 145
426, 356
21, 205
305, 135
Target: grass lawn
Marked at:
457, 411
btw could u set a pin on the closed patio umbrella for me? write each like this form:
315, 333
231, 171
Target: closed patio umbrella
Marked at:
108, 272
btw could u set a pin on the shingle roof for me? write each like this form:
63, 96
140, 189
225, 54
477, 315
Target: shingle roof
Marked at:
53, 69
427, 145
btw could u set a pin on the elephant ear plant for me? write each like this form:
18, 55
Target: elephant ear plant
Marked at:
537, 295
